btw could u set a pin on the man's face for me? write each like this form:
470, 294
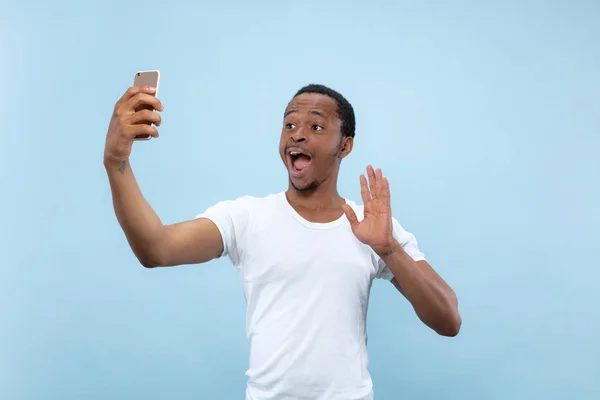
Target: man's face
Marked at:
311, 144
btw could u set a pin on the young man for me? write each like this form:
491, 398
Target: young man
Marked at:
307, 256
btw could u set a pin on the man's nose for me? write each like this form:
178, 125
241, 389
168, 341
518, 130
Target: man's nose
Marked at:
299, 136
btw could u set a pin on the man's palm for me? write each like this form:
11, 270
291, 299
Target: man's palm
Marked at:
375, 229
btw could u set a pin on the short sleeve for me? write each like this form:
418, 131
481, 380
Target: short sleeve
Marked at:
232, 220
409, 244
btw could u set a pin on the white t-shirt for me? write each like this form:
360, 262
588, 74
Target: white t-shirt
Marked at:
307, 288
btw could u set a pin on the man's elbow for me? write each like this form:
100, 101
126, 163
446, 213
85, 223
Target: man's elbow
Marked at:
151, 259
152, 254
451, 325
148, 264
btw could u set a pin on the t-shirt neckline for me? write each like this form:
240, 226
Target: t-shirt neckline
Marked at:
314, 225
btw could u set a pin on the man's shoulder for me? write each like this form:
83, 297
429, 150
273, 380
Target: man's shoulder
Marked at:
257, 200
241, 205
251, 201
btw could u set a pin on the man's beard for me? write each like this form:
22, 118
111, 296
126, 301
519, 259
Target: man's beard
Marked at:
311, 187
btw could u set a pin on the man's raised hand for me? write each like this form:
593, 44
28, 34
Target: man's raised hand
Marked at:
131, 118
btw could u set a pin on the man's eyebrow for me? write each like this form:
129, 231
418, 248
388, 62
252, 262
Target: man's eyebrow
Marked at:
317, 113
289, 112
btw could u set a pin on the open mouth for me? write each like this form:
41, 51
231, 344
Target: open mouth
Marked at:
298, 159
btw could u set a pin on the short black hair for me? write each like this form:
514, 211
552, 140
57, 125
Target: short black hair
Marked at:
345, 110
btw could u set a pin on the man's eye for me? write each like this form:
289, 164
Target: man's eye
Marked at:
289, 125
317, 127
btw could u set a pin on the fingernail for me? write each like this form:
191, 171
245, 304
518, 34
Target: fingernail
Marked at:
151, 89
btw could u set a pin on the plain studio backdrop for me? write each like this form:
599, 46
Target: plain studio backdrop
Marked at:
484, 116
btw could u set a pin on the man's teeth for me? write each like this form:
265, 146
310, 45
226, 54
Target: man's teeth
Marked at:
294, 153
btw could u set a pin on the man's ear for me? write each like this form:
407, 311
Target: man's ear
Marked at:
346, 146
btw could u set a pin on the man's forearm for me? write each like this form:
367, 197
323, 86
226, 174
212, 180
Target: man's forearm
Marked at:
142, 226
434, 302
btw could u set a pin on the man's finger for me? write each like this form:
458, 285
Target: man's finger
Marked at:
385, 192
372, 181
142, 99
144, 117
351, 215
364, 190
378, 183
132, 91
140, 130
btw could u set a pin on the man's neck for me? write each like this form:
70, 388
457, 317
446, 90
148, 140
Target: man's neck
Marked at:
320, 199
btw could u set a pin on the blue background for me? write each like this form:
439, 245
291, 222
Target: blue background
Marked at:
484, 116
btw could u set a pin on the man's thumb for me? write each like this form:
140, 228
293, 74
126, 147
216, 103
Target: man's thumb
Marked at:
350, 214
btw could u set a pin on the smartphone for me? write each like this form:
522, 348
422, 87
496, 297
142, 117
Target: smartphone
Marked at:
146, 78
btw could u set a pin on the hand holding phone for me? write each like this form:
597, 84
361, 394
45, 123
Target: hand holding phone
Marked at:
135, 117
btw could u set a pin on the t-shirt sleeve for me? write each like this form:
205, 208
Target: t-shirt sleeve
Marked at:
409, 244
232, 220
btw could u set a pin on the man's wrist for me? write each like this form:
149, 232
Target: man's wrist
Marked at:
112, 164
386, 251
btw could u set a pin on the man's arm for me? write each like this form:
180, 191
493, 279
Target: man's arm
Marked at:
155, 244
433, 300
